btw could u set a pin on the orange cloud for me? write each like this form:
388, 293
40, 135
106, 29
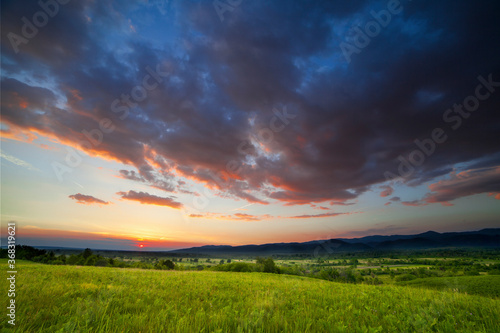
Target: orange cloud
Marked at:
233, 217
387, 191
495, 195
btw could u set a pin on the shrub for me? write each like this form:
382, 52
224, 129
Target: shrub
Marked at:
267, 265
72, 260
471, 273
101, 262
91, 260
405, 277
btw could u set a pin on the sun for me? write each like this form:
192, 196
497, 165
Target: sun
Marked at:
141, 246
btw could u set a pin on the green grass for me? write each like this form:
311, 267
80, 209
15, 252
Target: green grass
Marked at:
94, 299
485, 285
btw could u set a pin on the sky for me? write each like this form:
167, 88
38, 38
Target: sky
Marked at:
166, 124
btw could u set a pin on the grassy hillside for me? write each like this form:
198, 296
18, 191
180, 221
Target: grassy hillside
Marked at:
486, 285
71, 298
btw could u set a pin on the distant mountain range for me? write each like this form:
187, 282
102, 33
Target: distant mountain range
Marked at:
485, 238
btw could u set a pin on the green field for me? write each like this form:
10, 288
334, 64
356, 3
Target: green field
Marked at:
488, 285
94, 299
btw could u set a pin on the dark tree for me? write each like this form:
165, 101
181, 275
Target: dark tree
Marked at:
169, 264
86, 253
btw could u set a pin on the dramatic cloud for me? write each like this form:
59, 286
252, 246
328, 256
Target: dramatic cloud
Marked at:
264, 106
87, 199
149, 199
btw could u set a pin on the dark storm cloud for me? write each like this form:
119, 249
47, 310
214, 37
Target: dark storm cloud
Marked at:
221, 82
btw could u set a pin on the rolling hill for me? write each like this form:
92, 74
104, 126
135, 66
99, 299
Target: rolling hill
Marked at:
485, 238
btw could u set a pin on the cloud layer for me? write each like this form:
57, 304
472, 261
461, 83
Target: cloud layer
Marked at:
263, 106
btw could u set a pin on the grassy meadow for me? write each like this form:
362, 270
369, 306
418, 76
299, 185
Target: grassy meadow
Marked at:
486, 285
105, 299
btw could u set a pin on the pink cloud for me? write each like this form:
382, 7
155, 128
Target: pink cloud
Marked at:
387, 191
87, 199
149, 199
232, 217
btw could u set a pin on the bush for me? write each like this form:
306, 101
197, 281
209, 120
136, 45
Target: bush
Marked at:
267, 265
87, 253
101, 262
240, 267
72, 260
329, 274
405, 277
234, 267
471, 273
91, 260
165, 264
